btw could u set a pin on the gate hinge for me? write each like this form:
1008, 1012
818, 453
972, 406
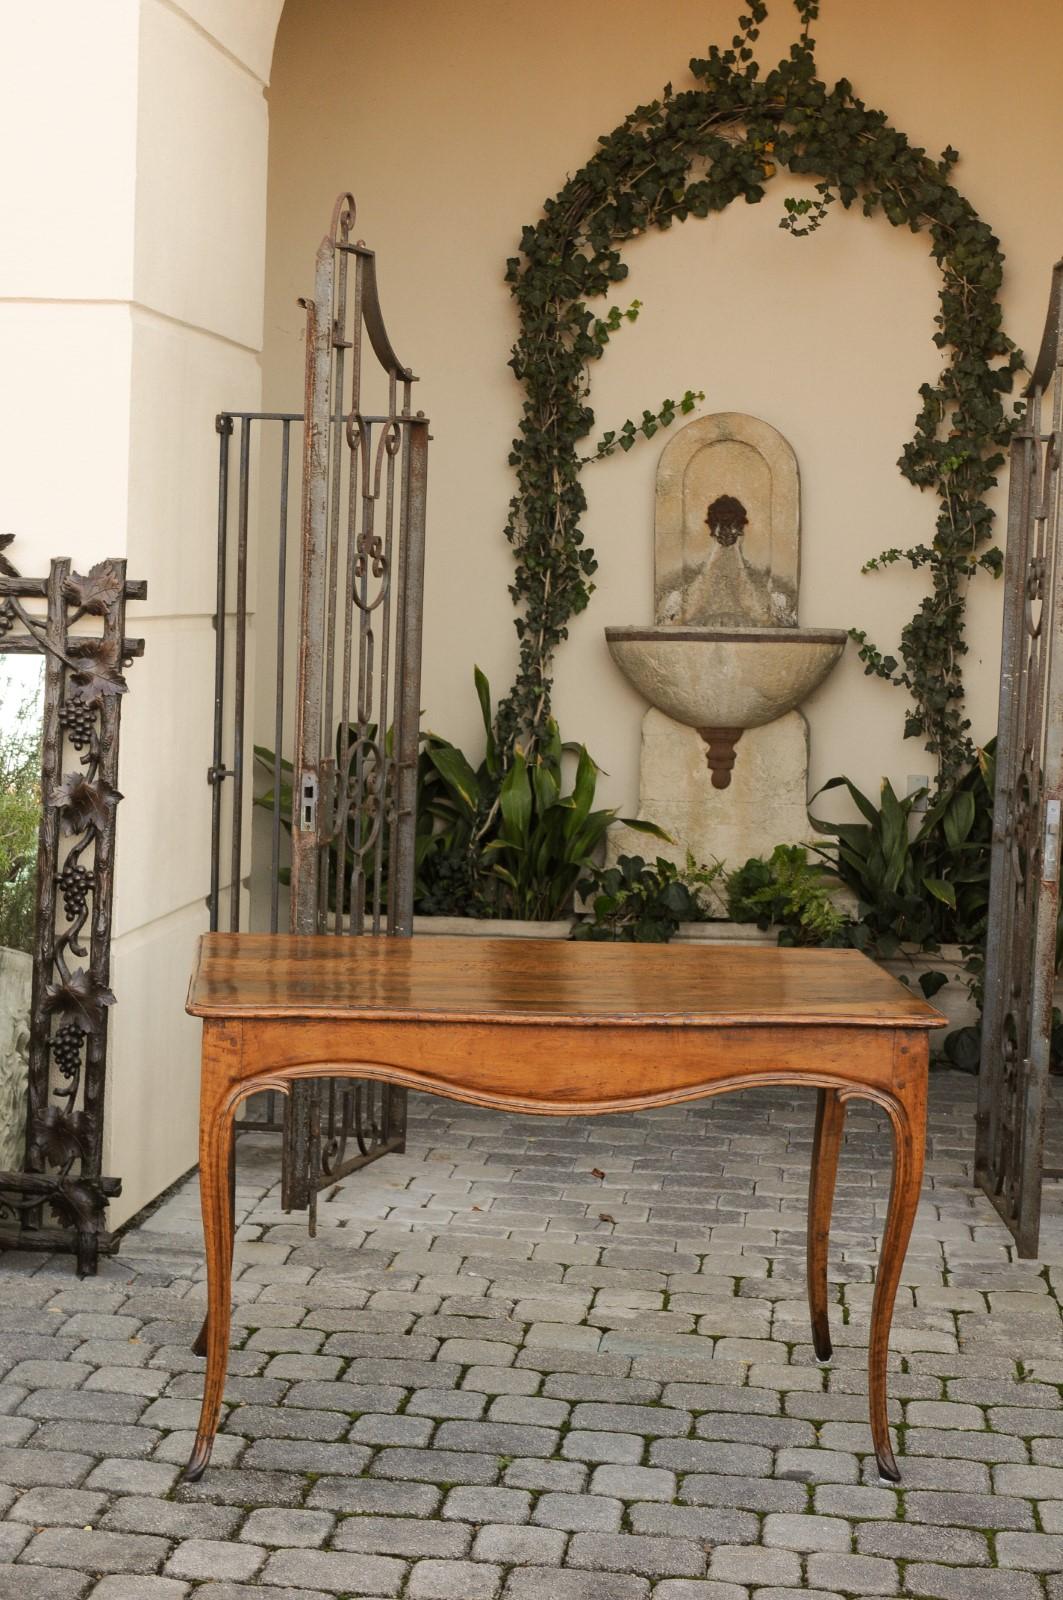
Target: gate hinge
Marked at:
1050, 867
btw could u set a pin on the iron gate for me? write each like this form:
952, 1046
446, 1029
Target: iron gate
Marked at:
1024, 883
346, 679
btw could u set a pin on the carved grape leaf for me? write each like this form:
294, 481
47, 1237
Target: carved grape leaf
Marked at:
79, 998
58, 1137
98, 670
5, 565
76, 1203
84, 802
95, 591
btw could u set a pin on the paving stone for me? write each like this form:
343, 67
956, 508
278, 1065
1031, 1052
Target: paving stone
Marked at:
1036, 1552
637, 1553
41, 1583
970, 1583
402, 1536
118, 1586
564, 1476
276, 1526
214, 1558
519, 1546
479, 1505
133, 1477
171, 1520
96, 1551
579, 1513
547, 1583
969, 1510
367, 1496
633, 1483
437, 1466
454, 1580
334, 1572
751, 1494
706, 1526
58, 1507
619, 1448
221, 1486
864, 1575
31, 1468
749, 1564
806, 1532
305, 1455
707, 1589
905, 1541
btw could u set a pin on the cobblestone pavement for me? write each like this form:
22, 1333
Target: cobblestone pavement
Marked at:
548, 1360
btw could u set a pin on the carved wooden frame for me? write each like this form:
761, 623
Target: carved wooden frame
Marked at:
83, 687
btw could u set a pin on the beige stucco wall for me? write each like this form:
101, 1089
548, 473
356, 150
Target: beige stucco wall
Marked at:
453, 122
131, 272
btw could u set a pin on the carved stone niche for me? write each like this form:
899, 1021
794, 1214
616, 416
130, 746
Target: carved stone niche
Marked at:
726, 526
59, 749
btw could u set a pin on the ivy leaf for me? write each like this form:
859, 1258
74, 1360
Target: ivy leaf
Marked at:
84, 803
79, 999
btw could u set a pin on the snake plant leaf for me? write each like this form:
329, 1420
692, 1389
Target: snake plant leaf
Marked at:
639, 825
457, 774
941, 889
515, 801
483, 694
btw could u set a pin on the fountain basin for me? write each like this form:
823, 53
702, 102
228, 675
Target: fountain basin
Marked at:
729, 677
723, 680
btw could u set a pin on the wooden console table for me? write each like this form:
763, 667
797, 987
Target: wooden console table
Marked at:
559, 1028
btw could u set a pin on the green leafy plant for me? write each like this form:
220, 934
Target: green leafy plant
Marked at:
919, 878
788, 892
690, 154
525, 837
634, 902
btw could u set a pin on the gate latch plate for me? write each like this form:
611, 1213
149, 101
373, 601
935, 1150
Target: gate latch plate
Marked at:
1050, 870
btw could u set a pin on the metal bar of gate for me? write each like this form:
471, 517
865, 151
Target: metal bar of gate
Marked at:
1028, 798
349, 801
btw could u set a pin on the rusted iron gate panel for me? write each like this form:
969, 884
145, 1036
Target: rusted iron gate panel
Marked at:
1024, 884
58, 1199
351, 678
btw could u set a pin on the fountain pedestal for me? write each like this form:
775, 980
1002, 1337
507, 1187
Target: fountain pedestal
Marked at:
765, 803
724, 665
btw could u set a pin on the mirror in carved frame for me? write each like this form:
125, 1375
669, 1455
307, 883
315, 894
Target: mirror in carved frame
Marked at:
63, 656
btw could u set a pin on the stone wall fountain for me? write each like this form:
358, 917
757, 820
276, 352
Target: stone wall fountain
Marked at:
725, 666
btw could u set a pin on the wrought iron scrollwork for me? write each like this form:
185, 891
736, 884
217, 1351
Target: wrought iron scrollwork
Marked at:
348, 797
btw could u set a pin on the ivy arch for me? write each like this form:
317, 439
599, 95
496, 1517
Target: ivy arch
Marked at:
692, 153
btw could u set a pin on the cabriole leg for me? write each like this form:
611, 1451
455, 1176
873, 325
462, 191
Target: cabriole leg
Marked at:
199, 1348
908, 1117
830, 1123
216, 1150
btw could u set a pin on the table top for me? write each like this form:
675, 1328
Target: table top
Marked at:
546, 982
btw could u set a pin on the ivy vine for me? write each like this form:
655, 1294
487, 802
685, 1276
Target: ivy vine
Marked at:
691, 153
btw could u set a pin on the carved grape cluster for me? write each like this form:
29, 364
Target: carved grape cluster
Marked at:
66, 1048
75, 882
78, 720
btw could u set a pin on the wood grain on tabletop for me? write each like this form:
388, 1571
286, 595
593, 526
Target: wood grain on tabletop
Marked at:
431, 977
